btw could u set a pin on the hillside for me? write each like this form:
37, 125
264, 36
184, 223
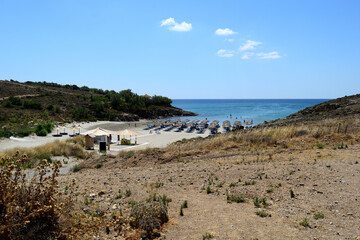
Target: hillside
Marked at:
23, 105
340, 108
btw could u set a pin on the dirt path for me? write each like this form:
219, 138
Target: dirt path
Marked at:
21, 96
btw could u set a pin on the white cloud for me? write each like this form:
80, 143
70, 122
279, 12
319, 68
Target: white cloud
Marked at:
174, 26
229, 40
167, 22
247, 55
249, 45
225, 53
224, 32
270, 55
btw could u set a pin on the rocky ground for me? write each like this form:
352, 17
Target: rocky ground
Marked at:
324, 182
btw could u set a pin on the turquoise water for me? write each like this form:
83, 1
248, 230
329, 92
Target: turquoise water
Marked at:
258, 110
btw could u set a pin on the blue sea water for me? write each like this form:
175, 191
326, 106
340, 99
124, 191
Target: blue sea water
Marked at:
258, 110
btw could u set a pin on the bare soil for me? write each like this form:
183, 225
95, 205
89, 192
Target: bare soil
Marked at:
325, 181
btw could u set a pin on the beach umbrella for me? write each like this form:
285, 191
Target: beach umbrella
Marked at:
74, 128
98, 132
128, 132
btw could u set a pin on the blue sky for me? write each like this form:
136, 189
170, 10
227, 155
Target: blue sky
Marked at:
186, 49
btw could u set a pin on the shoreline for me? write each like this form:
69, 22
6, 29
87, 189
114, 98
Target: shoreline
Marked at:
144, 140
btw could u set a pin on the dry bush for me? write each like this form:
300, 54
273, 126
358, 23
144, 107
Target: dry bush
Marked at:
71, 147
149, 216
29, 208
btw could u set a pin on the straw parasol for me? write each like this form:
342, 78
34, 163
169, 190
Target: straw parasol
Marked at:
128, 132
98, 132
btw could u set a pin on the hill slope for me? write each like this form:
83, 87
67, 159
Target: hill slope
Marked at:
22, 105
340, 108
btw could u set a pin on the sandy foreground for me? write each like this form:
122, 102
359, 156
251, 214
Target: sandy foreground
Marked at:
328, 185
147, 139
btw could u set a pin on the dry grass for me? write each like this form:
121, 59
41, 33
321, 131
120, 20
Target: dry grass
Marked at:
71, 147
307, 135
29, 209
35, 208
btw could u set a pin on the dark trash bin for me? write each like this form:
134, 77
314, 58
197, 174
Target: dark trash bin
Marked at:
102, 146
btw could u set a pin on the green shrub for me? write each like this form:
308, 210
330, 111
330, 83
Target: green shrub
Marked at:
76, 168
15, 101
253, 182
320, 145
8, 104
43, 128
208, 189
207, 236
236, 198
257, 202
159, 184
163, 199
305, 223
129, 154
41, 132
128, 193
32, 105
80, 113
319, 215
50, 107
261, 213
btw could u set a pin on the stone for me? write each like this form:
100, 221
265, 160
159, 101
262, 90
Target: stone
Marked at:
102, 192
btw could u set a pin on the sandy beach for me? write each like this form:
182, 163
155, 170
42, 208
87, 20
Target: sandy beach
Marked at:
147, 139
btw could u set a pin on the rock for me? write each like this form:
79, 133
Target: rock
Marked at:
102, 192
114, 207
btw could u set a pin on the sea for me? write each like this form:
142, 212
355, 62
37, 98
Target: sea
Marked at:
256, 110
